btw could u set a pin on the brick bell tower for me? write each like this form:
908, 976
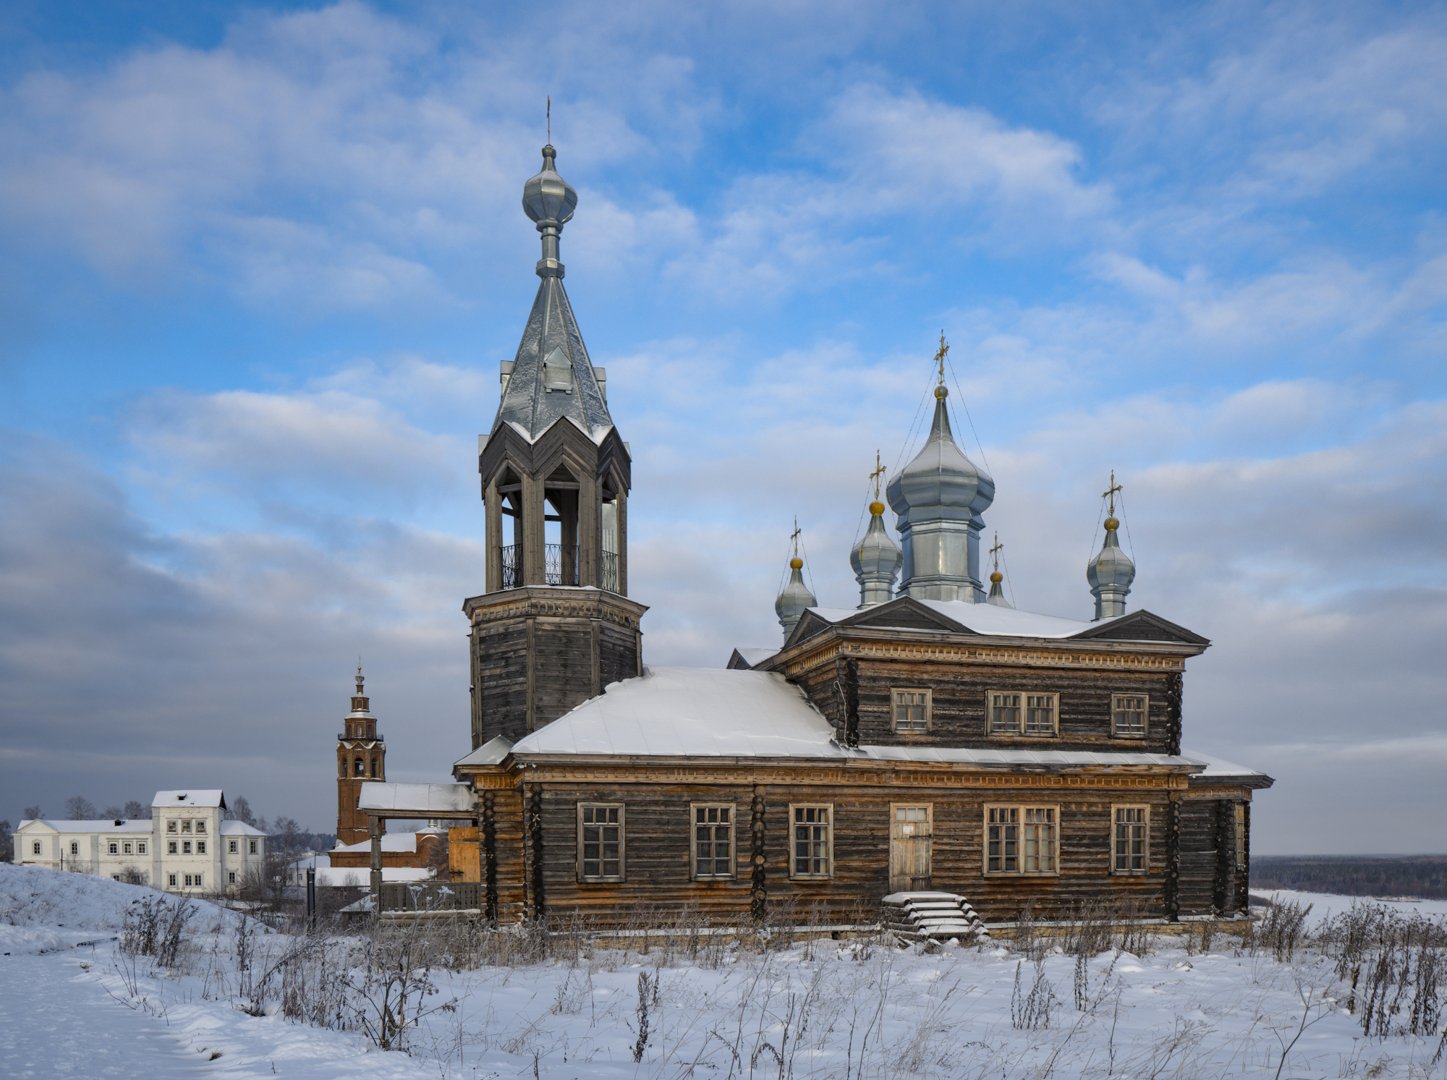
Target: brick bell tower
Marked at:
555, 625
361, 756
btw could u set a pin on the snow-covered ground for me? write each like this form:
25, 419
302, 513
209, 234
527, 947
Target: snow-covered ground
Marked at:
73, 1002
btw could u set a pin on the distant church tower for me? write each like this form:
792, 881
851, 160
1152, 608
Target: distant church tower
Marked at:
555, 625
361, 756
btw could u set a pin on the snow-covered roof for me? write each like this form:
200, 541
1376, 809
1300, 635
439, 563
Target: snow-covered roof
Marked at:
983, 619
189, 797
1220, 770
105, 825
330, 877
707, 712
239, 828
752, 656
489, 753
402, 841
424, 799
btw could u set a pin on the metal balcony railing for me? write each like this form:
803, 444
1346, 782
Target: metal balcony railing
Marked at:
554, 571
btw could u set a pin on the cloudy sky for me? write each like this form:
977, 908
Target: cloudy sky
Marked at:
259, 263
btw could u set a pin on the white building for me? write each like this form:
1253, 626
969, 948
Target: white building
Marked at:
186, 846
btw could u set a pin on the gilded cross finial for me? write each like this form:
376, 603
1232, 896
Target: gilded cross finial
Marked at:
794, 536
879, 471
944, 351
995, 551
1110, 493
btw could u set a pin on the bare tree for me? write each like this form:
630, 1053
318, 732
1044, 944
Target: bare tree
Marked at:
7, 842
240, 809
134, 810
33, 813
79, 808
112, 813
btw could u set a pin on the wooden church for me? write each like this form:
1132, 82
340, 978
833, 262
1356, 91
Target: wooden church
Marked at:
930, 740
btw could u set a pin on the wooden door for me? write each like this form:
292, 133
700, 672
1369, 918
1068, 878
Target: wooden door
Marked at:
909, 847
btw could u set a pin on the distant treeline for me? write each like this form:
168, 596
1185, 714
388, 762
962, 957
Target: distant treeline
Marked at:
1423, 876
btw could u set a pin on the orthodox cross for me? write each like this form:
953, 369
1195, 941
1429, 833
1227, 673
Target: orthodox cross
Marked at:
995, 551
879, 471
550, 119
794, 536
1110, 493
940, 356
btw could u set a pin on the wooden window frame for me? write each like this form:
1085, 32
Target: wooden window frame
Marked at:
714, 826
1021, 727
1116, 710
1115, 840
603, 860
1021, 811
795, 825
894, 709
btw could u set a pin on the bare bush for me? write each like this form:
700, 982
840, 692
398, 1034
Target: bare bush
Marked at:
1030, 1009
155, 926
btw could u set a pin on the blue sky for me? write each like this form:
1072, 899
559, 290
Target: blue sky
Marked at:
259, 263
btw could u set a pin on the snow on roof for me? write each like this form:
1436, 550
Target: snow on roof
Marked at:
489, 753
239, 828
105, 825
189, 797
405, 841
1220, 769
985, 619
424, 799
753, 656
706, 712
332, 877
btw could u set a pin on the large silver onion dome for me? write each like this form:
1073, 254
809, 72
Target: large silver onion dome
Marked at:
941, 479
1110, 574
547, 197
794, 599
939, 497
875, 560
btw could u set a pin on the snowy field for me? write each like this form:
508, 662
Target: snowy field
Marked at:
80, 994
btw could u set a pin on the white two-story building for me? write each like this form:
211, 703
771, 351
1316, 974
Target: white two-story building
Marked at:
186, 846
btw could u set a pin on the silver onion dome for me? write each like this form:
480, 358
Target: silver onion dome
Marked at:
875, 560
1110, 574
549, 200
939, 497
794, 599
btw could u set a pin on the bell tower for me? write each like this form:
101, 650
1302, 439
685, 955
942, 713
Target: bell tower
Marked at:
554, 626
361, 756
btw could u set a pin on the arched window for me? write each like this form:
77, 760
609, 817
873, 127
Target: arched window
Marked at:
361, 767
374, 768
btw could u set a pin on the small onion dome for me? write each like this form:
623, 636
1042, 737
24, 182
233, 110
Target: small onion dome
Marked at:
876, 560
997, 594
548, 199
795, 598
1110, 574
940, 483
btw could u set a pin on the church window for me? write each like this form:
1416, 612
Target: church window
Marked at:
374, 768
231, 847
1012, 712
1021, 840
126, 847
1128, 715
35, 848
911, 710
198, 881
113, 848
812, 840
713, 841
185, 847
200, 847
600, 842
360, 767
1131, 839
231, 877
74, 848
170, 847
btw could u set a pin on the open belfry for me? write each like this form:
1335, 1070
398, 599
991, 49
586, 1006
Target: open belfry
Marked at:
923, 754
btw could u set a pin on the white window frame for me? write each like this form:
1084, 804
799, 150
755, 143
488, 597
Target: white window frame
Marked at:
74, 848
126, 847
252, 847
186, 825
231, 877
170, 847
1023, 704
818, 866
1130, 839
185, 847
171, 880
706, 834
200, 826
140, 847
171, 825
1013, 842
112, 847
35, 847
200, 847
1118, 706
899, 706
601, 861
232, 847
